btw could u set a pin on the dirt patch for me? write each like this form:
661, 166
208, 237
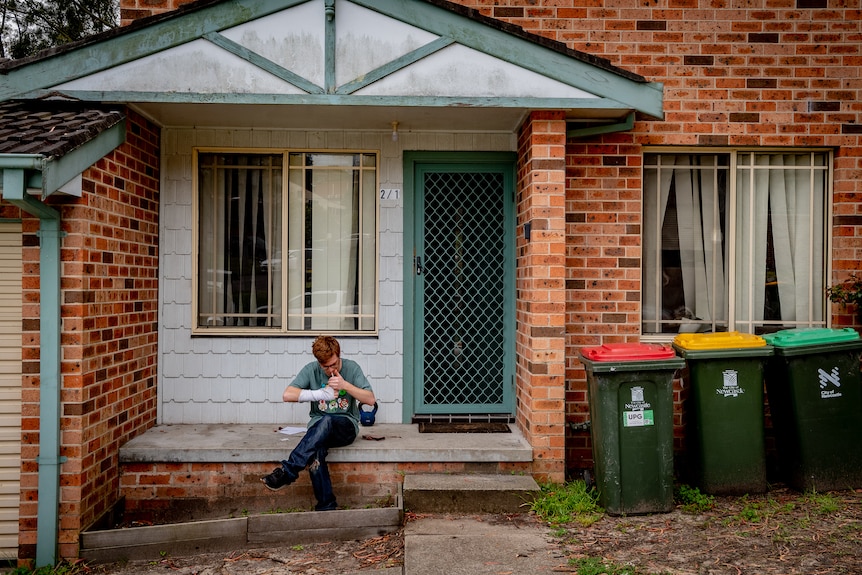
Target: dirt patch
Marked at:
780, 533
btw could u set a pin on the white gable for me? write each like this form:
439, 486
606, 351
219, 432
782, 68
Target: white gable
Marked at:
294, 39
366, 40
196, 67
464, 72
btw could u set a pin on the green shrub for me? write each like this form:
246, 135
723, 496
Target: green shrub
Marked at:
692, 500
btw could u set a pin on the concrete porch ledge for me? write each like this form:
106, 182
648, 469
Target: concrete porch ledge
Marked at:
240, 443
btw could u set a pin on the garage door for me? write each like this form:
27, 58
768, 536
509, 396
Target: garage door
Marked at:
10, 386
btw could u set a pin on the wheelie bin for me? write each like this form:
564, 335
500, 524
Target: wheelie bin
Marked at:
630, 392
726, 442
815, 399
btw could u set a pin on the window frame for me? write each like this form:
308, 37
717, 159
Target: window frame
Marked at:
283, 330
733, 154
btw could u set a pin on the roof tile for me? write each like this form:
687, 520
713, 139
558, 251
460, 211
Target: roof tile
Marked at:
52, 127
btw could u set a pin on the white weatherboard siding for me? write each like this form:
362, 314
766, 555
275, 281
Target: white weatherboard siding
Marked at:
239, 379
10, 387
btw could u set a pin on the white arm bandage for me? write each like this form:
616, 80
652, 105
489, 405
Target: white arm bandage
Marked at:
322, 394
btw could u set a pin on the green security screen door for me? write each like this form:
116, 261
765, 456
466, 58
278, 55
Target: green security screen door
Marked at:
462, 307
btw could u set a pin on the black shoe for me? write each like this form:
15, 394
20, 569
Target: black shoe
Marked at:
276, 480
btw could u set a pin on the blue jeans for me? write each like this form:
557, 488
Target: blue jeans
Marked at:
329, 431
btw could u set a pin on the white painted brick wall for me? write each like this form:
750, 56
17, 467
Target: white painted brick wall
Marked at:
240, 380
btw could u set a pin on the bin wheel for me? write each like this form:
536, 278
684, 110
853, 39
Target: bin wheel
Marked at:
588, 479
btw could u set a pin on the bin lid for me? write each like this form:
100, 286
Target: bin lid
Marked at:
628, 352
718, 340
811, 336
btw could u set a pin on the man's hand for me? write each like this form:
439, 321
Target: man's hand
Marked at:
335, 382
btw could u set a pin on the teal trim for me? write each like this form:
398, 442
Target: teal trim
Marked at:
330, 47
266, 65
49, 459
416, 163
410, 159
50, 237
643, 96
614, 108
394, 66
60, 170
583, 129
126, 47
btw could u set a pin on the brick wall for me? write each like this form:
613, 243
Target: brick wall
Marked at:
193, 491
109, 294
754, 73
131, 10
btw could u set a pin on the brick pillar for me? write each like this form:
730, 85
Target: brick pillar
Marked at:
541, 303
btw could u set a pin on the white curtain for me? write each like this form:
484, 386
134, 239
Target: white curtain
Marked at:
698, 239
323, 242
781, 193
240, 241
656, 192
334, 228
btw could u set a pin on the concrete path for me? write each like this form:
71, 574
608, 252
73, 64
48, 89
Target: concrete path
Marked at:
479, 545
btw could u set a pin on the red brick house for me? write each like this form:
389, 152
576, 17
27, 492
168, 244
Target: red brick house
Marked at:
516, 182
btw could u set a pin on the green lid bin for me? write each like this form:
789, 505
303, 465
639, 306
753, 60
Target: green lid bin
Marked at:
815, 399
630, 391
725, 405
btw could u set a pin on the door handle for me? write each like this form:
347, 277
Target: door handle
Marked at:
417, 262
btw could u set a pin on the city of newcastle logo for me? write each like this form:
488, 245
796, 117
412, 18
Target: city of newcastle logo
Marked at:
829, 383
730, 384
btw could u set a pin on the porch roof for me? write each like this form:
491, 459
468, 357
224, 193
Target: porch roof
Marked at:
346, 64
49, 142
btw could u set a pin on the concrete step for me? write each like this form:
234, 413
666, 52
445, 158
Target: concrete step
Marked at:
468, 493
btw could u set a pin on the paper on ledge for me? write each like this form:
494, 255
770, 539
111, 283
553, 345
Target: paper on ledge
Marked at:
291, 430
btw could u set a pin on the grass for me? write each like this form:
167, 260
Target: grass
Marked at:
598, 566
822, 503
772, 511
567, 503
70, 567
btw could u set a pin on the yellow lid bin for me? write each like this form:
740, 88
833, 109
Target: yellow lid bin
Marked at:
727, 453
718, 340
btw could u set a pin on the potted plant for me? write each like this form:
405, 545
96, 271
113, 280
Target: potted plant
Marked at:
848, 292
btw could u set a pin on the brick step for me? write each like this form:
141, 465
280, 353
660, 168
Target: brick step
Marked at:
468, 493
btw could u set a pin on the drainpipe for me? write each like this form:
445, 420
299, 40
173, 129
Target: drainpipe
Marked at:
48, 508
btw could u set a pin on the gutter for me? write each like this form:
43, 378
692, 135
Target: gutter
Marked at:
14, 190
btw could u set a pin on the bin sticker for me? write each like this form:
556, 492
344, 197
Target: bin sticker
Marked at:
637, 402
730, 384
826, 379
638, 418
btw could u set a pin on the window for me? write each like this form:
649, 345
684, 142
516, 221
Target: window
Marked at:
286, 242
734, 241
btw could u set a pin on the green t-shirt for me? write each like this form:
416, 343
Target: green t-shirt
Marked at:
312, 376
